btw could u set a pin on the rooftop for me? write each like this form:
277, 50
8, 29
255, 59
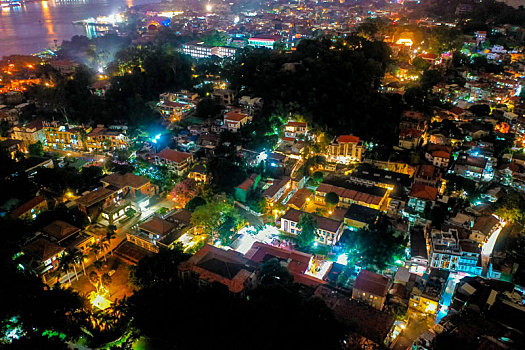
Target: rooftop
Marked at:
125, 180
425, 192
95, 196
60, 230
323, 223
30, 204
362, 214
157, 226
173, 155
372, 283
42, 249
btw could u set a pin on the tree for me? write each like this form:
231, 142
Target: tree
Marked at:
318, 176
331, 199
209, 217
130, 212
157, 269
194, 203
65, 262
36, 149
110, 233
184, 191
510, 215
308, 226
272, 272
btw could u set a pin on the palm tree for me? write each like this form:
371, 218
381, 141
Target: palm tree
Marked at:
78, 257
96, 248
104, 246
65, 262
111, 233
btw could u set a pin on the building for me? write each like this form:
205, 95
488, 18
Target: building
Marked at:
296, 262
472, 167
345, 149
174, 111
371, 288
214, 266
368, 196
12, 148
358, 216
199, 173
293, 131
198, 50
42, 255
250, 183
30, 209
418, 251
277, 190
177, 162
328, 230
59, 231
129, 183
102, 139
299, 199
234, 120
428, 175
426, 298
29, 133
267, 41
153, 234
422, 196
63, 137
438, 155
449, 252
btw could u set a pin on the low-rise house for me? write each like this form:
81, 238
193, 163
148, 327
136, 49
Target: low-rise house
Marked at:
345, 149
59, 231
296, 262
234, 120
299, 199
426, 299
215, 266
438, 155
129, 184
484, 226
328, 230
277, 190
42, 255
199, 173
64, 137
174, 111
12, 147
472, 167
102, 139
30, 209
357, 216
449, 252
418, 251
29, 133
153, 234
428, 175
368, 196
176, 161
249, 184
371, 288
422, 196
295, 130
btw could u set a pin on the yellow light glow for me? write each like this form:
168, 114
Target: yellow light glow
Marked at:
99, 301
403, 41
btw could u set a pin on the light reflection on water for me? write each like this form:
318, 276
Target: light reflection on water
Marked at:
36, 25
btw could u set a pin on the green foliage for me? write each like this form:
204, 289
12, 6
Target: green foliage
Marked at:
212, 215
308, 226
318, 176
376, 246
158, 269
216, 38
194, 203
130, 212
272, 272
331, 198
36, 149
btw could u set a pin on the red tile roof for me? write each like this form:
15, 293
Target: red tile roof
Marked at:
24, 208
235, 116
347, 139
246, 184
422, 191
124, 180
323, 223
297, 124
372, 283
60, 230
42, 249
173, 155
351, 194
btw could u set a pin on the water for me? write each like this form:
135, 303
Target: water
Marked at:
35, 26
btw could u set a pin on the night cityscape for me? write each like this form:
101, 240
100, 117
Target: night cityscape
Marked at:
255, 174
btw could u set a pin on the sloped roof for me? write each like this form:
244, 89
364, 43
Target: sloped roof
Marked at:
27, 206
373, 283
355, 192
95, 196
157, 226
173, 155
42, 249
124, 180
300, 197
60, 230
347, 139
323, 223
235, 116
423, 191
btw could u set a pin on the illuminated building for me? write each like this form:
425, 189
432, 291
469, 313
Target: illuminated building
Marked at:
267, 41
234, 120
295, 130
328, 230
177, 162
199, 50
29, 133
345, 148
426, 297
103, 139
30, 209
371, 288
63, 137
368, 196
448, 251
